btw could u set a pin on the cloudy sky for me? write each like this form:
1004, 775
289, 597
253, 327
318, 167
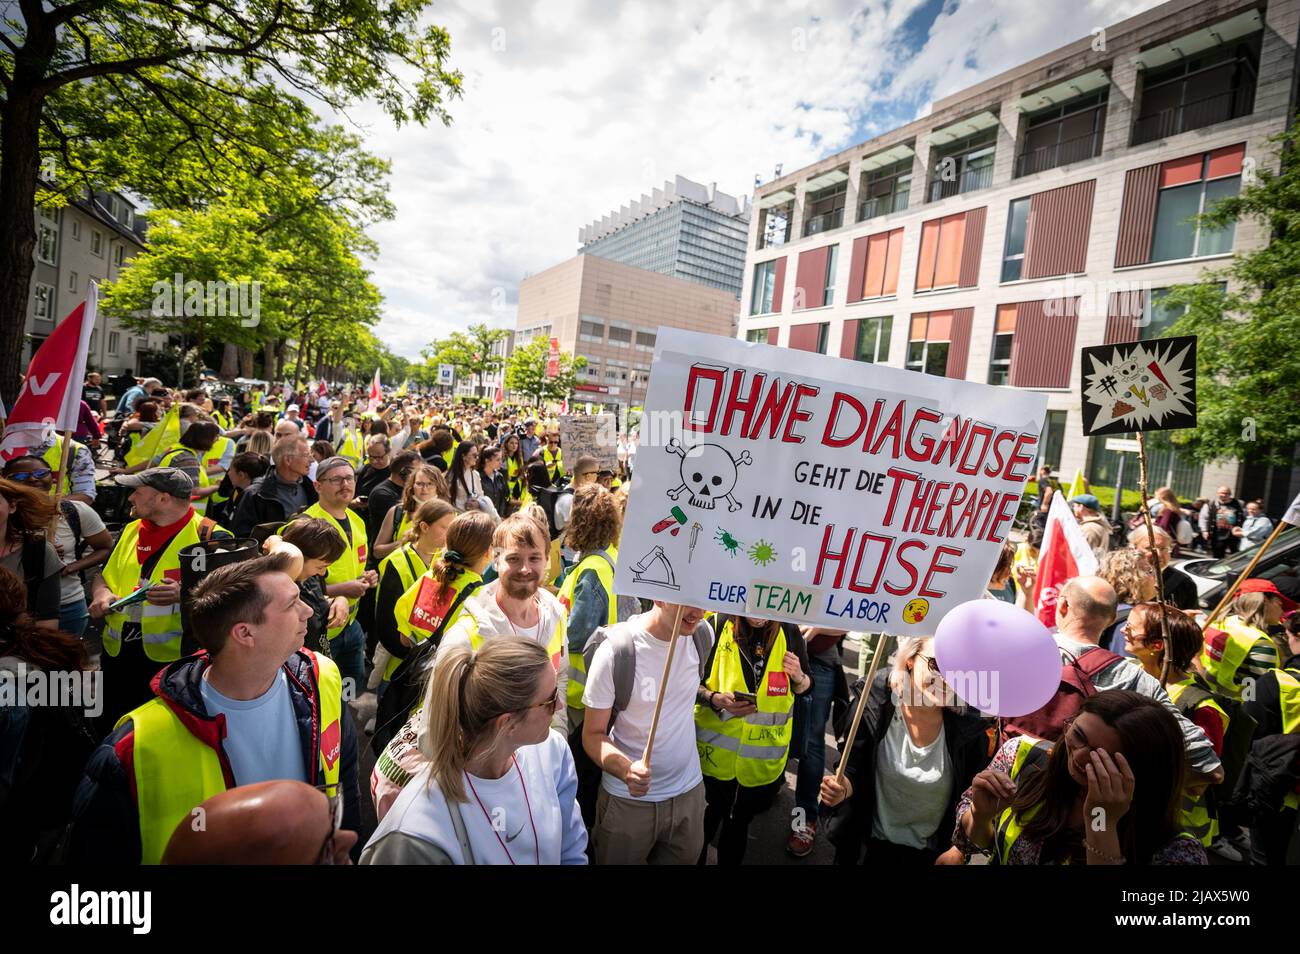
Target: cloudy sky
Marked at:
574, 108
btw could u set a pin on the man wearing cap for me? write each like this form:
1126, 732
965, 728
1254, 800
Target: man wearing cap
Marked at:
336, 484
282, 491
1241, 650
142, 637
1096, 528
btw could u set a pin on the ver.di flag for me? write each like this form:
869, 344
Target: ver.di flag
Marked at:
50, 399
1065, 554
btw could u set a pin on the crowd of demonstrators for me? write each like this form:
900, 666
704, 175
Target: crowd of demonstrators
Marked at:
455, 562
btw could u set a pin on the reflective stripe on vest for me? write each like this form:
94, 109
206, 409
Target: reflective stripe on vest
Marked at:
164, 749
351, 564
406, 562
160, 626
1225, 650
604, 570
1007, 829
554, 464
752, 749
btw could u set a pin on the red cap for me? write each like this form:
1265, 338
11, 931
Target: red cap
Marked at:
1255, 585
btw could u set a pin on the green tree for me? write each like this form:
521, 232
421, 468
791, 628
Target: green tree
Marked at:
1248, 398
526, 372
470, 353
106, 90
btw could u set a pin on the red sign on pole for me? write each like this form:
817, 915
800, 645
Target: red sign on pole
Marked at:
553, 359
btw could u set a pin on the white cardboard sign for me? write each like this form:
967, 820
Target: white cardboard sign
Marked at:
786, 485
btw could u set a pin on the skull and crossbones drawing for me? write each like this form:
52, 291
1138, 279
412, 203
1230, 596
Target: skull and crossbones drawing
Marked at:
708, 474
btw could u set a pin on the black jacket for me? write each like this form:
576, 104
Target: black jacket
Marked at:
966, 739
259, 504
496, 489
105, 819
1265, 706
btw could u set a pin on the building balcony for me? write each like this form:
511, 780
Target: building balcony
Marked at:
824, 222
969, 181
1193, 115
1058, 154
882, 205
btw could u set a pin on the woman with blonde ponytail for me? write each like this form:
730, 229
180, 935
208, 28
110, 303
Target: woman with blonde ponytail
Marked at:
500, 785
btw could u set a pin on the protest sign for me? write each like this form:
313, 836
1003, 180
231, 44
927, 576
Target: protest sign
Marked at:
1142, 386
596, 435
786, 485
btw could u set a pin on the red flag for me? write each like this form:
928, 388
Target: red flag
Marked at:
50, 398
500, 397
564, 406
553, 359
321, 390
376, 392
1065, 554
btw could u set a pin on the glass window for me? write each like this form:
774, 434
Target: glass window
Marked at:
828, 292
823, 336
591, 330
756, 335
1017, 223
873, 340
1175, 232
112, 342
44, 302
936, 358
76, 230
47, 244
620, 335
72, 281
96, 242
1000, 362
915, 355
645, 339
764, 286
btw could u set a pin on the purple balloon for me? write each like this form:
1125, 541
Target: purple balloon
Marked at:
997, 657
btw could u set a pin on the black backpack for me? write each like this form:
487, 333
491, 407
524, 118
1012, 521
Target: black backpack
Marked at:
406, 689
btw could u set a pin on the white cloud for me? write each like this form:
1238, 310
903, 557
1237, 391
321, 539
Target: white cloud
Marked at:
573, 108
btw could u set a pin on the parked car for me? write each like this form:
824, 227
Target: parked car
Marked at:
1281, 564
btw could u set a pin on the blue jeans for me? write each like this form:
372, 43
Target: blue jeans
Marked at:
348, 650
73, 617
812, 764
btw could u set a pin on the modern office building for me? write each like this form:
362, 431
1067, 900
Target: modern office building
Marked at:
90, 239
686, 229
609, 312
1041, 211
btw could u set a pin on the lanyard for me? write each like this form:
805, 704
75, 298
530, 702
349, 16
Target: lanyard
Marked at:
537, 845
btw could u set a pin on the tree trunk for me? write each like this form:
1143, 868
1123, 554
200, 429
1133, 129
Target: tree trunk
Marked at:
280, 349
301, 362
229, 361
20, 116
245, 363
268, 360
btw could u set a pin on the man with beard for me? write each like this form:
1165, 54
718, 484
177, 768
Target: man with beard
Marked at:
515, 605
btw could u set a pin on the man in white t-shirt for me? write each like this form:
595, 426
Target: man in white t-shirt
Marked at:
648, 813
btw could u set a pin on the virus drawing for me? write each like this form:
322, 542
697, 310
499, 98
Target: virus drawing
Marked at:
728, 542
761, 553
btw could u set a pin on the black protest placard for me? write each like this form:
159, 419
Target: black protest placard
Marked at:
1139, 386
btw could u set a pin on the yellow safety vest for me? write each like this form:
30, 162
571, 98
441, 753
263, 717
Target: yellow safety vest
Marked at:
752, 749
221, 420
349, 448
446, 458
257, 400
160, 625
468, 622
1226, 648
1007, 829
1195, 813
406, 562
53, 457
175, 771
168, 458
351, 564
1288, 687
554, 464
604, 569
515, 482
417, 618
